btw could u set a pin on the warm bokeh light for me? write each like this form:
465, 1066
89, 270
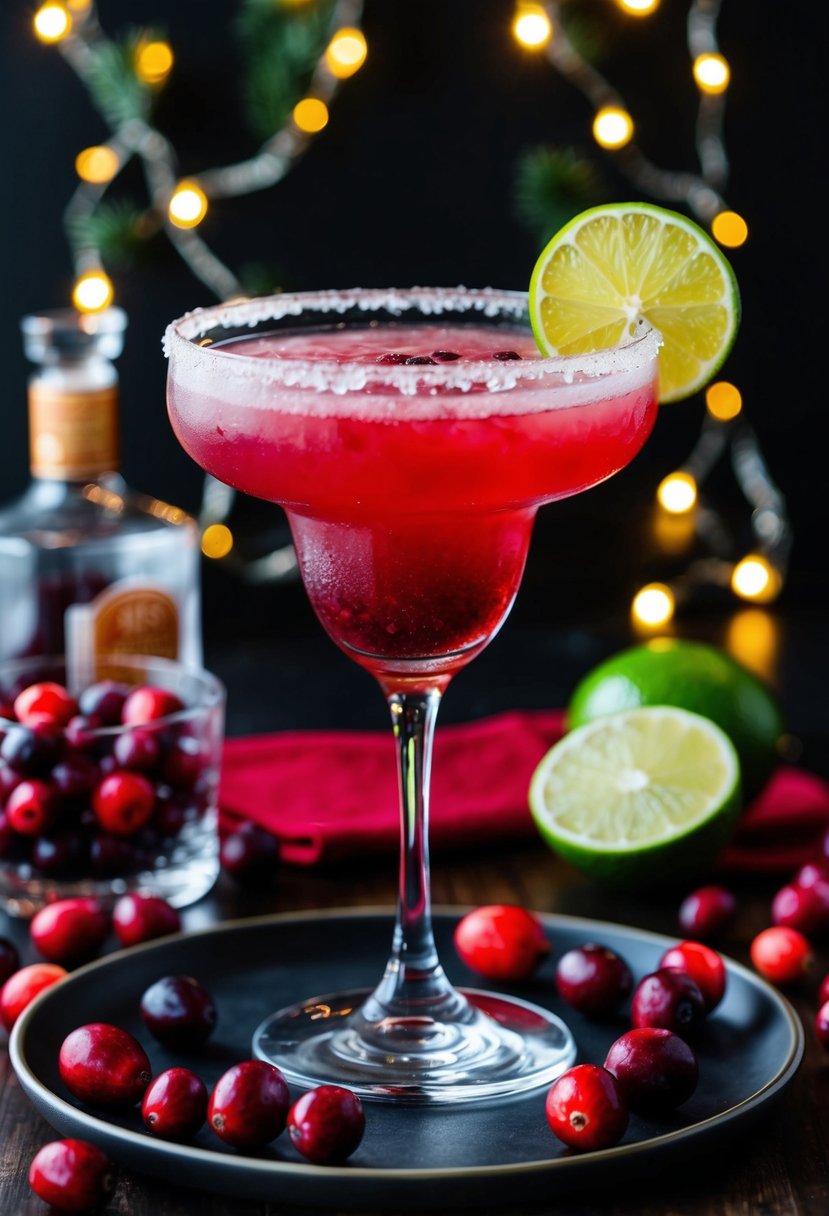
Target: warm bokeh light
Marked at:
79, 6
755, 578
52, 22
154, 62
638, 8
711, 72
674, 534
753, 638
93, 291
653, 605
612, 127
97, 164
188, 205
311, 115
346, 53
531, 26
216, 541
723, 401
677, 493
729, 229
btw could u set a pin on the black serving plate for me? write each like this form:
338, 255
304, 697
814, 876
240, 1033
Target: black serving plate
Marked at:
412, 1158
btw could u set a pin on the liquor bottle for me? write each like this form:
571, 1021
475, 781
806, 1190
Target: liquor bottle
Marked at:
87, 566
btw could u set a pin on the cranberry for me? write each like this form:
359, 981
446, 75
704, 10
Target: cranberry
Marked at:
501, 942
812, 872
137, 749
391, 359
8, 780
104, 1065
123, 802
250, 855
668, 998
49, 699
445, 356
183, 764
822, 1025
7, 835
111, 855
823, 990
326, 1124
141, 918
81, 733
655, 1068
31, 750
69, 930
179, 1012
74, 778
22, 987
705, 967
71, 1175
104, 701
585, 1108
414, 360
248, 1104
58, 854
31, 807
9, 959
805, 908
782, 954
506, 356
148, 704
174, 1106
707, 912
593, 979
170, 814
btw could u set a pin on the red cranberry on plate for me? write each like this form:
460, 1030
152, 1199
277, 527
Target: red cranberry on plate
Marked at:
593, 979
704, 965
141, 918
104, 1065
174, 1105
32, 807
670, 999
9, 959
249, 1104
707, 912
250, 855
782, 954
656, 1069
71, 1175
149, 704
501, 942
326, 1124
179, 1012
585, 1108
69, 930
48, 699
23, 986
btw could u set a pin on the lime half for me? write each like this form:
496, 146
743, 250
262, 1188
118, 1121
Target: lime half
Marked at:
643, 795
612, 266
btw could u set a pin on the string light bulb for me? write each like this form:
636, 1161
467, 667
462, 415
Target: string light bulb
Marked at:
216, 541
654, 605
638, 8
346, 53
154, 61
711, 72
723, 401
311, 115
612, 127
755, 578
677, 493
93, 291
729, 229
97, 164
188, 205
52, 22
531, 26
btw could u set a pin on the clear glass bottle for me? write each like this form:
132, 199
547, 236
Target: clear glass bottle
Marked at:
86, 565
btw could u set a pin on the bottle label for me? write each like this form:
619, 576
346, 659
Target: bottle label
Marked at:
72, 435
129, 617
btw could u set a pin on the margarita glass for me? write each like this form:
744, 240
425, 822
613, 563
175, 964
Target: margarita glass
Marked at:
410, 437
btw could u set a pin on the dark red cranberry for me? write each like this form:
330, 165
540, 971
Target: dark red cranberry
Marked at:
593, 979
69, 931
390, 358
655, 1068
7, 836
9, 959
501, 942
250, 855
170, 814
822, 1025
670, 999
416, 360
585, 1108
812, 872
48, 699
179, 1012
137, 749
74, 778
8, 780
142, 918
183, 764
823, 990
111, 855
445, 356
249, 1104
31, 807
123, 802
704, 965
23, 986
174, 1106
104, 701
805, 908
326, 1124
81, 734
31, 750
71, 1175
104, 1065
59, 854
707, 912
506, 356
149, 704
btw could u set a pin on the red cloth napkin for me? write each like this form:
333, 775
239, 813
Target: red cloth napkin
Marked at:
328, 795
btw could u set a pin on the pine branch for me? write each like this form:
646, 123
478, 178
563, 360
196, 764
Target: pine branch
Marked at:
117, 229
115, 89
552, 185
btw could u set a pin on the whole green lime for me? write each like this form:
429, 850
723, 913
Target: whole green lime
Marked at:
692, 676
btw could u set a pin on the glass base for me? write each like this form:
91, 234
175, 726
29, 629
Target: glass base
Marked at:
501, 1046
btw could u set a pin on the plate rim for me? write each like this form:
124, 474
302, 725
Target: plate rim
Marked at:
267, 1168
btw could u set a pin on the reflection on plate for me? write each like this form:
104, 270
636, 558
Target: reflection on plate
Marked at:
412, 1158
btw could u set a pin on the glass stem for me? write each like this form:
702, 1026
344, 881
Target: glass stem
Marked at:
414, 984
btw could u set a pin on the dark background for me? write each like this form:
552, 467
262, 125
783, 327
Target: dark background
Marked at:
413, 182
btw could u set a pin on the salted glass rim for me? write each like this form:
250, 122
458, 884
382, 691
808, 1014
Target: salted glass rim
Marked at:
182, 346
